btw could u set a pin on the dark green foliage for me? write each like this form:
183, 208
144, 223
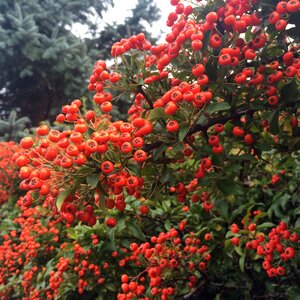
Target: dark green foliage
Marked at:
12, 129
43, 64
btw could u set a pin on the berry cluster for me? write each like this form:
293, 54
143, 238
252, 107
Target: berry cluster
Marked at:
9, 172
276, 248
169, 260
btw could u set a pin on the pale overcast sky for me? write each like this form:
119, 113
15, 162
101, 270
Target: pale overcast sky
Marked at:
122, 9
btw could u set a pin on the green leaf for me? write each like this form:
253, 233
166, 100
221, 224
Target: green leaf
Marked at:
229, 187
85, 170
100, 187
232, 168
111, 287
184, 129
158, 151
206, 39
227, 244
223, 208
93, 180
201, 120
239, 250
290, 92
111, 234
293, 294
179, 147
247, 216
148, 171
157, 113
168, 225
259, 216
136, 230
215, 107
72, 233
242, 261
248, 34
166, 204
257, 105
263, 145
121, 225
134, 169
166, 176
273, 121
61, 198
265, 225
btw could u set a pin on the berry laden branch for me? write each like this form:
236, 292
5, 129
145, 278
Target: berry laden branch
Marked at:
204, 127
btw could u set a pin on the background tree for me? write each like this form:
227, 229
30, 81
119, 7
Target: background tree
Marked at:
13, 129
42, 62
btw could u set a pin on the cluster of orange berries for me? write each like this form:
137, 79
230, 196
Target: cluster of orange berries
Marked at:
84, 265
56, 278
98, 81
276, 247
8, 173
169, 259
184, 92
21, 249
71, 149
205, 199
234, 17
138, 41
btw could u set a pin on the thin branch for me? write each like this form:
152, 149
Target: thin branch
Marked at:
221, 120
140, 90
148, 147
242, 110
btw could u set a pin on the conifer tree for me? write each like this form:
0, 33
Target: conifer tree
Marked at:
42, 62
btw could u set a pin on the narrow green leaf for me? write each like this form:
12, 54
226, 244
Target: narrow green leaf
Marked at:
100, 187
85, 170
168, 225
242, 261
111, 234
259, 216
93, 180
290, 92
157, 113
134, 169
265, 225
229, 187
239, 250
184, 129
273, 121
227, 244
248, 213
61, 198
215, 107
158, 151
136, 230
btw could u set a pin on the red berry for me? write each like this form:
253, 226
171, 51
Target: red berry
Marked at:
26, 143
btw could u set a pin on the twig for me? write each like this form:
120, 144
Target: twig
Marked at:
140, 90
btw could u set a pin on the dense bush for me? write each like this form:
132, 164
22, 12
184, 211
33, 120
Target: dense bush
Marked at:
9, 172
196, 195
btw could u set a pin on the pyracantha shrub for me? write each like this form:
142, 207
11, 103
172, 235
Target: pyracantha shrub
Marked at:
197, 192
9, 171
